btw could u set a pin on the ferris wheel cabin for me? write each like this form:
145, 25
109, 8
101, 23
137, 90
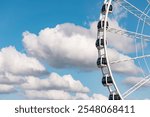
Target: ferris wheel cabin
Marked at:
104, 8
114, 96
101, 25
101, 62
99, 43
107, 80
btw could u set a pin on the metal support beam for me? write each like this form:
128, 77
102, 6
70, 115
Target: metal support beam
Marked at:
124, 60
129, 34
133, 10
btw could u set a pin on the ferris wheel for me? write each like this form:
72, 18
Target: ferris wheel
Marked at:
103, 61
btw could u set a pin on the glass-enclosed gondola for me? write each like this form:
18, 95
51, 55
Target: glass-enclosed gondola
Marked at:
101, 62
104, 8
101, 25
114, 96
99, 43
107, 80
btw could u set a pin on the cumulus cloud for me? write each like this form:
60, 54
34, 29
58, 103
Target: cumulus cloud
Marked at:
6, 89
61, 95
83, 96
57, 87
63, 47
50, 94
12, 61
8, 78
21, 74
14, 66
68, 45
55, 82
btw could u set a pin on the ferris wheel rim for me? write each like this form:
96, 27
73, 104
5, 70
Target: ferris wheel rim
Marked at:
105, 35
116, 90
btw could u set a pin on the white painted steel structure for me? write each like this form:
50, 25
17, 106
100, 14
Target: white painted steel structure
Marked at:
101, 44
103, 51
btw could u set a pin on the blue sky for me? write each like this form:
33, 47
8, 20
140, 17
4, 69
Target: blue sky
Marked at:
19, 16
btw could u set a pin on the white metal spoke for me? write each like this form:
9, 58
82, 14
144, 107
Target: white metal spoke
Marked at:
124, 60
102, 50
133, 10
146, 10
129, 34
136, 86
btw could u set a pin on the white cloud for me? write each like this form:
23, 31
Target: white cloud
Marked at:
57, 87
63, 47
55, 82
99, 97
68, 45
14, 62
6, 89
61, 95
13, 68
81, 96
50, 94
84, 96
8, 78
